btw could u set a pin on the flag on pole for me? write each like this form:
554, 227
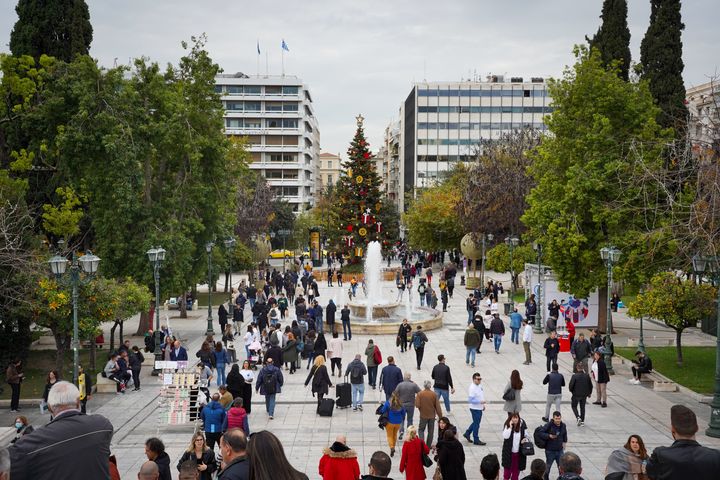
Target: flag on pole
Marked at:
284, 46
258, 47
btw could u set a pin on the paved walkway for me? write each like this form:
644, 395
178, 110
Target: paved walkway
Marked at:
631, 409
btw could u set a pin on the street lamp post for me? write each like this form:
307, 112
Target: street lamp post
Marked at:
537, 246
284, 233
229, 245
208, 248
156, 255
88, 263
512, 242
610, 256
703, 264
489, 237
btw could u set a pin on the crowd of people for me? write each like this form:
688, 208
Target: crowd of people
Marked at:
276, 342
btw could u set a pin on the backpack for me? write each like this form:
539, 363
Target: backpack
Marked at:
270, 383
300, 346
540, 442
356, 374
421, 289
377, 356
418, 341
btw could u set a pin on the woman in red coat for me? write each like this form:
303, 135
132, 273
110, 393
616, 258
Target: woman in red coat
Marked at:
411, 461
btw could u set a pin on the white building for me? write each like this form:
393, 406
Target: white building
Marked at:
387, 163
276, 114
442, 122
703, 103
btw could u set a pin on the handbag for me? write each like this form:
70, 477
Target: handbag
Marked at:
424, 457
438, 474
527, 448
509, 395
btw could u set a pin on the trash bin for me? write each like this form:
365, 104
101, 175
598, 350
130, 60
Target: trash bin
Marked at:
508, 308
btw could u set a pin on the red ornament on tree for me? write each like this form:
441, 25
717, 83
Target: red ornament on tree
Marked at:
366, 155
349, 228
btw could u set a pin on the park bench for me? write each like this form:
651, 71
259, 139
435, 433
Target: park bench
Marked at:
105, 385
660, 383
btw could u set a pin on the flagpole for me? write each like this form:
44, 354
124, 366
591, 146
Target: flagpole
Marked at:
266, 64
258, 59
282, 53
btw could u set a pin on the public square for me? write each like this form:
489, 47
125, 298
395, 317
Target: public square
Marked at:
632, 409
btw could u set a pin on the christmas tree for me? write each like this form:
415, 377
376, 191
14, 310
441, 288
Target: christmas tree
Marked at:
364, 214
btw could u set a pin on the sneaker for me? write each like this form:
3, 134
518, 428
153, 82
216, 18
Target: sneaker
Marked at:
597, 403
473, 365
578, 421
354, 409
545, 419
13, 411
401, 436
604, 405
360, 407
392, 452
636, 382
631, 380
582, 424
467, 437
270, 417
479, 442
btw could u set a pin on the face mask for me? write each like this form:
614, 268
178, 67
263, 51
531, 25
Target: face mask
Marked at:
18, 425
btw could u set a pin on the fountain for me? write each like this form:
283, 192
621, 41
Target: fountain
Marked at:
377, 314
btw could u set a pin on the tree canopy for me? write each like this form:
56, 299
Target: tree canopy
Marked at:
612, 39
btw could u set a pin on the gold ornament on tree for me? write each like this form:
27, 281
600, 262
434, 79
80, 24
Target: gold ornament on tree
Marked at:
359, 179
362, 231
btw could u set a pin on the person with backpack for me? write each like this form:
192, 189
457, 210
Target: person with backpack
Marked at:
419, 339
497, 328
554, 436
373, 358
321, 382
356, 371
290, 352
421, 291
269, 384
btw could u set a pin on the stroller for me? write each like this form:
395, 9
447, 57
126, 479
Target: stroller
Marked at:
255, 357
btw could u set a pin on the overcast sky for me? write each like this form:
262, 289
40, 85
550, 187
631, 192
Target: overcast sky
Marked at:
362, 56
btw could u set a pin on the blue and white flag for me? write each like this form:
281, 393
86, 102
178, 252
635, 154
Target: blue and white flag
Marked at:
284, 46
258, 47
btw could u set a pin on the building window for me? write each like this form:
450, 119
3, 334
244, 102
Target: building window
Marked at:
290, 123
290, 107
234, 89
330, 179
251, 89
330, 164
273, 90
289, 90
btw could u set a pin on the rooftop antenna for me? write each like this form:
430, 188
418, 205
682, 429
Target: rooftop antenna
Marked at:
115, 63
424, 70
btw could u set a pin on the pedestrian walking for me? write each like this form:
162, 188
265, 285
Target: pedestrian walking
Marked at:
390, 377
527, 336
555, 435
222, 359
555, 381
471, 306
471, 341
269, 384
396, 415
213, 416
321, 382
373, 358
356, 371
444, 295
516, 321
406, 390
428, 406
14, 377
581, 350
512, 394
222, 316
443, 385
514, 434
335, 350
580, 390
552, 349
497, 328
419, 339
345, 318
476, 400
85, 387
290, 353
246, 385
411, 459
451, 457
339, 461
601, 377
403, 333
202, 455
330, 311
530, 309
479, 324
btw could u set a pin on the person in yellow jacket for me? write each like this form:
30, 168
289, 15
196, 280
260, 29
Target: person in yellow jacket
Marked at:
85, 387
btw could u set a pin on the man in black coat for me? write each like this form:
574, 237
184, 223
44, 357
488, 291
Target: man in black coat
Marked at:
685, 458
581, 389
155, 451
235, 465
73, 445
275, 352
330, 316
552, 349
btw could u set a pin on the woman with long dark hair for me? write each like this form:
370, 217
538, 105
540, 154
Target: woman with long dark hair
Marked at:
511, 394
514, 433
628, 463
267, 459
451, 456
248, 377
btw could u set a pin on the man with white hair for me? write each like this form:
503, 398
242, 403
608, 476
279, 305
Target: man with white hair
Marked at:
406, 390
428, 404
53, 451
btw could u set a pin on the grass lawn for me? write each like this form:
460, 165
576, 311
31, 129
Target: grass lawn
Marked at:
519, 296
40, 362
697, 372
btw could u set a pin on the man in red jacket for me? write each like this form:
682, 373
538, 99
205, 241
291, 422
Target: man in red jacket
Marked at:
339, 462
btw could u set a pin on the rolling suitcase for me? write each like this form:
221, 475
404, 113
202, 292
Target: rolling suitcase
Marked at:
326, 407
343, 393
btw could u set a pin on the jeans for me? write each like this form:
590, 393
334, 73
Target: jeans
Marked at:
220, 374
419, 352
136, 377
470, 355
422, 300
252, 302
15, 396
358, 391
552, 398
270, 404
574, 403
430, 423
445, 395
475, 425
311, 358
497, 340
528, 355
515, 335
471, 314
550, 457
347, 333
372, 375
319, 326
409, 414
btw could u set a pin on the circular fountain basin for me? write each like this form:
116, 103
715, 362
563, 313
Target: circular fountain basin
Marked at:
388, 316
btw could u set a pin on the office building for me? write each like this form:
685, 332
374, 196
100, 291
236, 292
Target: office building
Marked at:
387, 162
442, 122
276, 114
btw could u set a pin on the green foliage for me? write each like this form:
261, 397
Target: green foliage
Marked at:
612, 39
63, 220
432, 220
59, 28
677, 303
283, 218
662, 64
498, 258
358, 194
574, 209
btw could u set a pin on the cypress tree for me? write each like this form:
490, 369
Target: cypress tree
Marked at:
59, 28
662, 64
612, 39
